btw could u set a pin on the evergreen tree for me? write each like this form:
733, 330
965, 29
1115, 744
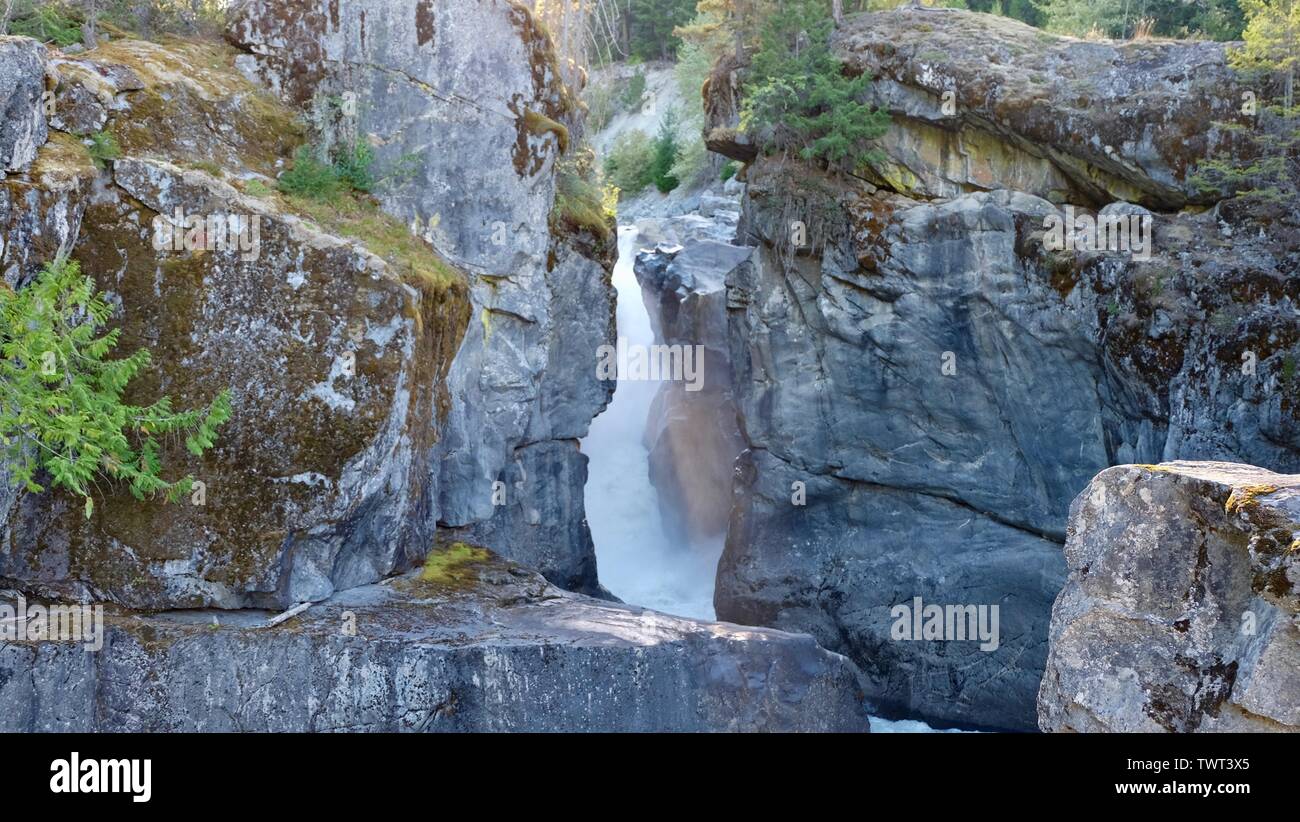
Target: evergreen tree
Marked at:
797, 97
61, 408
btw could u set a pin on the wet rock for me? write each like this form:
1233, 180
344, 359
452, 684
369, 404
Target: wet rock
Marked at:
1180, 611
491, 649
691, 431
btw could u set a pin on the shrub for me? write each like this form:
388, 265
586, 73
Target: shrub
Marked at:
47, 22
354, 166
635, 90
799, 100
628, 164
103, 148
582, 201
310, 177
729, 170
61, 408
351, 168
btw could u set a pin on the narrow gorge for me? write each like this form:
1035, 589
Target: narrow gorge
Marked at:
434, 507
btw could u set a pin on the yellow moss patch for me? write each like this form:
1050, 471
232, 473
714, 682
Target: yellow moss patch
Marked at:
62, 158
539, 124
1246, 495
453, 565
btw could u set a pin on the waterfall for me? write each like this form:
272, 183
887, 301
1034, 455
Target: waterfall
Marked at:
637, 562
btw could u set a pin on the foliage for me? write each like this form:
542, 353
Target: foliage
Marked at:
61, 407
311, 177
60, 22
650, 25
798, 99
627, 165
665, 154
354, 165
350, 168
1272, 47
582, 202
47, 22
1217, 19
729, 170
634, 91
103, 148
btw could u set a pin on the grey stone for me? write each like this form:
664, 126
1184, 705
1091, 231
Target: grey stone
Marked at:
1180, 610
22, 106
503, 651
450, 84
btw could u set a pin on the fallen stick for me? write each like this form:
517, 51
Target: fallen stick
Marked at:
287, 615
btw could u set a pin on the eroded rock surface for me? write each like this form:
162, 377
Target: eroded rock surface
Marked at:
942, 385
1180, 611
334, 355
22, 102
496, 650
461, 88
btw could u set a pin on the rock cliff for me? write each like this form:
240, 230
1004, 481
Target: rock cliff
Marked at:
394, 360
940, 384
472, 92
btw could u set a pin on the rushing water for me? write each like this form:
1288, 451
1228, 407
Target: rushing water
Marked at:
636, 561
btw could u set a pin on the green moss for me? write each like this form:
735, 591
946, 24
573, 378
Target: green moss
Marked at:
209, 167
361, 219
454, 565
256, 188
539, 124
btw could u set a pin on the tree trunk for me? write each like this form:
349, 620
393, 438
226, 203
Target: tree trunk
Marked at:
89, 38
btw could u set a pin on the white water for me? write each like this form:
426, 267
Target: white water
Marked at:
634, 558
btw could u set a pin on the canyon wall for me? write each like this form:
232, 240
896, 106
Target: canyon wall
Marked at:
390, 360
924, 385
462, 89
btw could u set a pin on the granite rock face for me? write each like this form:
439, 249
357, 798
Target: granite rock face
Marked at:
924, 384
459, 88
1181, 609
22, 102
334, 356
500, 650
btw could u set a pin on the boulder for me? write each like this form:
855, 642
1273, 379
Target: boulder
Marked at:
1180, 613
486, 646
